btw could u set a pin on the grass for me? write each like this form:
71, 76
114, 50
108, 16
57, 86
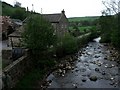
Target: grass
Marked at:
82, 28
90, 18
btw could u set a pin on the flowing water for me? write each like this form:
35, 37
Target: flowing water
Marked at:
95, 68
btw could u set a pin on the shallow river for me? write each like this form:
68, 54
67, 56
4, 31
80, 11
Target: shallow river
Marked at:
94, 68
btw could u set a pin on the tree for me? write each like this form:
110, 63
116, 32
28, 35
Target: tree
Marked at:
112, 7
110, 22
38, 35
19, 13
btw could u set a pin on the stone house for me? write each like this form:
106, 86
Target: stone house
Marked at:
8, 25
58, 20
14, 38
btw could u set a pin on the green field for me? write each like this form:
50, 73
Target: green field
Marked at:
82, 28
90, 18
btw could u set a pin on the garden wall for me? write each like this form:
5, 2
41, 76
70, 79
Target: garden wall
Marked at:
16, 70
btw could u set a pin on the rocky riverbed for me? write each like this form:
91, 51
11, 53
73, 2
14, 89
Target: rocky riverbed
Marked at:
95, 66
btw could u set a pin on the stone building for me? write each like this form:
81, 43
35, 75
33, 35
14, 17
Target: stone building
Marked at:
59, 22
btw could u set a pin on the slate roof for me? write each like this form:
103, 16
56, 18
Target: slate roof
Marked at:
52, 17
15, 34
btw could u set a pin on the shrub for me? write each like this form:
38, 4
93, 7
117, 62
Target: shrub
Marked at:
105, 38
82, 41
66, 45
69, 44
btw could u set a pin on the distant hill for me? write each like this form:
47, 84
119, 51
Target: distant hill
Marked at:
89, 18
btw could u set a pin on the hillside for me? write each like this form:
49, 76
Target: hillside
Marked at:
7, 9
13, 12
89, 18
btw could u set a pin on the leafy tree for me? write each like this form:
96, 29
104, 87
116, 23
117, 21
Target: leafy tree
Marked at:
110, 23
116, 32
38, 35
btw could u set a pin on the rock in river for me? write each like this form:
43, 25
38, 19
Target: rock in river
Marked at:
103, 73
97, 69
84, 80
93, 78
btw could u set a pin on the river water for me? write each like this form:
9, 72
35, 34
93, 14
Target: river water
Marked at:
95, 67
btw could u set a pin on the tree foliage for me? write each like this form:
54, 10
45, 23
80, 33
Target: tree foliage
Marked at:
38, 34
19, 13
110, 23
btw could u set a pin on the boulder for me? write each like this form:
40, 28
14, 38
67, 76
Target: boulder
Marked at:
97, 69
93, 78
83, 80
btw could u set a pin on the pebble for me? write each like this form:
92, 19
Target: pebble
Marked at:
113, 65
99, 64
63, 75
103, 73
112, 83
106, 66
105, 58
76, 70
111, 78
74, 85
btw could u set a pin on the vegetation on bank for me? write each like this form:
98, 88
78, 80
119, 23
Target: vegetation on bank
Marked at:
110, 23
47, 62
110, 32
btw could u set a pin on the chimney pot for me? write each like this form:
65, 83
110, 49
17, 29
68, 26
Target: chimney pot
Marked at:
63, 11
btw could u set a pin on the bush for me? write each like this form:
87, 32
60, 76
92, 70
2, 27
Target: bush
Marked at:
82, 41
106, 38
66, 45
69, 44
94, 33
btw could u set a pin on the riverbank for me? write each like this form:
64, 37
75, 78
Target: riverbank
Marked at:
95, 67
38, 75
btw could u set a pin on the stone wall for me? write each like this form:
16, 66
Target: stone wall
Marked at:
16, 41
16, 70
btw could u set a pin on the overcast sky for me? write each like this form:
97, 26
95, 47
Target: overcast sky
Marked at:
73, 8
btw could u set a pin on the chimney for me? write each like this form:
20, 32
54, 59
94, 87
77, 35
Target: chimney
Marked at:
63, 12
